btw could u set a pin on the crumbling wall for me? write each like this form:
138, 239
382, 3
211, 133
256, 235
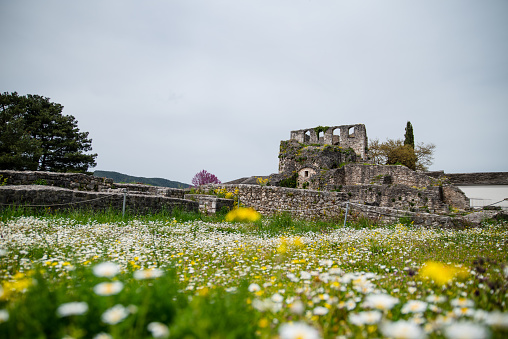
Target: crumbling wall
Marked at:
210, 204
422, 191
150, 190
346, 136
454, 197
77, 190
387, 174
312, 205
73, 181
294, 156
83, 182
465, 179
56, 198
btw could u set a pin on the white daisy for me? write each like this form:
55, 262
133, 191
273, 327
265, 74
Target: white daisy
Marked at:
4, 316
115, 314
414, 306
106, 269
158, 330
298, 330
148, 274
497, 319
380, 301
108, 288
365, 318
72, 308
254, 287
320, 310
402, 329
466, 330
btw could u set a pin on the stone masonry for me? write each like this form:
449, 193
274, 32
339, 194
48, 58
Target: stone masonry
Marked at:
76, 190
321, 159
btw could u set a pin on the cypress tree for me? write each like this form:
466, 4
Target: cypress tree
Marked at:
409, 138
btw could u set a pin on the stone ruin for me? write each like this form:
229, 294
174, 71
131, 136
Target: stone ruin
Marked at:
311, 152
320, 170
346, 136
336, 159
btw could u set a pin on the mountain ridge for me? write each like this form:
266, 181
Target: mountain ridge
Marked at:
125, 178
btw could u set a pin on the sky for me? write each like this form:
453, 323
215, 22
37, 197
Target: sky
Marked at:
167, 88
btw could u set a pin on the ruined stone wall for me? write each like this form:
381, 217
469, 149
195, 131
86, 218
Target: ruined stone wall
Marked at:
395, 186
210, 204
83, 182
488, 178
73, 181
55, 198
398, 196
311, 205
455, 197
301, 203
346, 136
151, 190
376, 174
294, 157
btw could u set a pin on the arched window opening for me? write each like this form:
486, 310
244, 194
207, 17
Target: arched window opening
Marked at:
351, 132
321, 137
336, 136
306, 136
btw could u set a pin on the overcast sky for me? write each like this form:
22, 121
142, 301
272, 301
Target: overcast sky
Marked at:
168, 88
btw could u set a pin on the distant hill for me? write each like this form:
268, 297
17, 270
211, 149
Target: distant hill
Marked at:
124, 178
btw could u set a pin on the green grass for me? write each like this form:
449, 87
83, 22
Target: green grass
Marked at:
240, 280
106, 216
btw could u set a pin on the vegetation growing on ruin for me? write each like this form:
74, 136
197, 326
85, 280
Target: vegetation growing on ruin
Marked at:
290, 182
392, 152
320, 129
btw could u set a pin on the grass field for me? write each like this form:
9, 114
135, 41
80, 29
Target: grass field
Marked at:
184, 276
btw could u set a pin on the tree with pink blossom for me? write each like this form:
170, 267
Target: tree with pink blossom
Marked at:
203, 178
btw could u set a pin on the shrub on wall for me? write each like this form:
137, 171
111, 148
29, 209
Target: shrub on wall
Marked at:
290, 182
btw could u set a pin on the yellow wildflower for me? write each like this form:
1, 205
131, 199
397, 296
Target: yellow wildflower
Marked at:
440, 273
243, 215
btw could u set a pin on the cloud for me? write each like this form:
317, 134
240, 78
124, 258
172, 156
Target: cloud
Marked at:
169, 88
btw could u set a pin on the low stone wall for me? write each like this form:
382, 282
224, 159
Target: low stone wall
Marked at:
40, 196
83, 182
300, 203
455, 197
151, 190
311, 205
398, 196
488, 178
73, 181
211, 204
382, 174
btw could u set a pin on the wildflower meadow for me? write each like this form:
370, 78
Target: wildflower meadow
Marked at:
246, 276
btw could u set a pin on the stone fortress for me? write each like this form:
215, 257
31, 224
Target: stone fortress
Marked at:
314, 156
335, 159
321, 171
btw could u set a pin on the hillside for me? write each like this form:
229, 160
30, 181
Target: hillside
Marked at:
124, 178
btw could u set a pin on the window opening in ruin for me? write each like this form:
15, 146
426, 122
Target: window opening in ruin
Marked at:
321, 136
306, 174
351, 132
336, 136
306, 136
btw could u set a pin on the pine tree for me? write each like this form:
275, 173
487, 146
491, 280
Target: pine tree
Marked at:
35, 135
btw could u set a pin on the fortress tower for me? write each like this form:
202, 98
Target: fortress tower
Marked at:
315, 154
